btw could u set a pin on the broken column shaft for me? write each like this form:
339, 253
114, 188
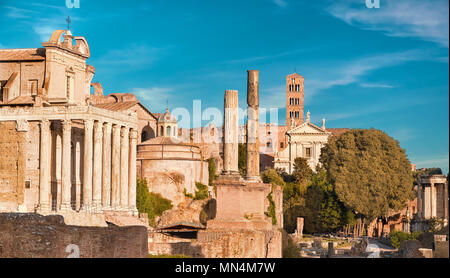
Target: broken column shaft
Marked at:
231, 125
252, 126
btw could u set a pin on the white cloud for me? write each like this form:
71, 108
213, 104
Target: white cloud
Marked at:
155, 98
351, 72
432, 162
377, 85
131, 56
426, 20
280, 3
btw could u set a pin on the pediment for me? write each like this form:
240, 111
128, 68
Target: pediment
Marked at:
307, 128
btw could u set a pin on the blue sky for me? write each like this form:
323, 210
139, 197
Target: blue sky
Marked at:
384, 68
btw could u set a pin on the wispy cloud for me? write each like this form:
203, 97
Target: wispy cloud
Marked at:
132, 55
264, 57
426, 20
154, 97
352, 72
280, 3
433, 162
377, 85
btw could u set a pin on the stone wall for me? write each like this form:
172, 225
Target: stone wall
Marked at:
37, 236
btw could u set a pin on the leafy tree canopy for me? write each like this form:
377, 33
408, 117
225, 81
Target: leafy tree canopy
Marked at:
370, 171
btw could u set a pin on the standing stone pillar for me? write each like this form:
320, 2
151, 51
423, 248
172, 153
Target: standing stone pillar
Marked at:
87, 168
419, 200
300, 223
132, 173
252, 126
106, 180
44, 167
115, 168
124, 152
433, 199
65, 166
231, 126
97, 177
445, 189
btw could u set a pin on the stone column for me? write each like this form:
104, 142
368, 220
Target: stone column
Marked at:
77, 167
231, 126
252, 125
87, 168
124, 152
97, 170
65, 165
106, 189
445, 200
115, 168
132, 173
44, 168
299, 230
433, 199
419, 201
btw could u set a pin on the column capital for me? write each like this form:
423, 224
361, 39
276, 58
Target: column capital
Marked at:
107, 125
133, 133
125, 131
66, 125
45, 123
88, 124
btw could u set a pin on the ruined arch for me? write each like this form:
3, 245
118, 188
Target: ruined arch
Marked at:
147, 133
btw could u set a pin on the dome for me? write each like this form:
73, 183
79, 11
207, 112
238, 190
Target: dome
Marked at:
167, 117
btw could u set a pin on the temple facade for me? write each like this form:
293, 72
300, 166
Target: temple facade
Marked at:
62, 153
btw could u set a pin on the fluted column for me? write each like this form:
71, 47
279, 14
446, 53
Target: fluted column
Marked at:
87, 169
106, 190
97, 170
124, 154
65, 165
231, 126
132, 173
44, 167
115, 168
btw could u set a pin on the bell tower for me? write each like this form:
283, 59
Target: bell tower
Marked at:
294, 100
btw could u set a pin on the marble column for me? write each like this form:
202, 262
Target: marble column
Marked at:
252, 126
44, 168
419, 201
106, 189
445, 189
65, 166
97, 170
231, 126
433, 199
77, 166
115, 168
87, 168
132, 173
124, 154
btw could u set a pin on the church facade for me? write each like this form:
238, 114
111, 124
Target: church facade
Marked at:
303, 138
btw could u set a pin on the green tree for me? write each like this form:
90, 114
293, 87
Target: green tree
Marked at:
150, 203
271, 176
302, 172
212, 168
369, 170
242, 159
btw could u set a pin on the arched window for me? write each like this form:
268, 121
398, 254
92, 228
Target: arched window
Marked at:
161, 133
168, 130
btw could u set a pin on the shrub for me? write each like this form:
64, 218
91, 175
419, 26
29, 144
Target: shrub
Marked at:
202, 192
151, 203
397, 237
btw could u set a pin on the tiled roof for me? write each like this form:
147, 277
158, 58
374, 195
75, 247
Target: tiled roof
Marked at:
29, 54
21, 100
117, 106
337, 131
163, 141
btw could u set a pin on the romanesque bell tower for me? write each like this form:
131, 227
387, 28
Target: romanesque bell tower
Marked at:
294, 100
